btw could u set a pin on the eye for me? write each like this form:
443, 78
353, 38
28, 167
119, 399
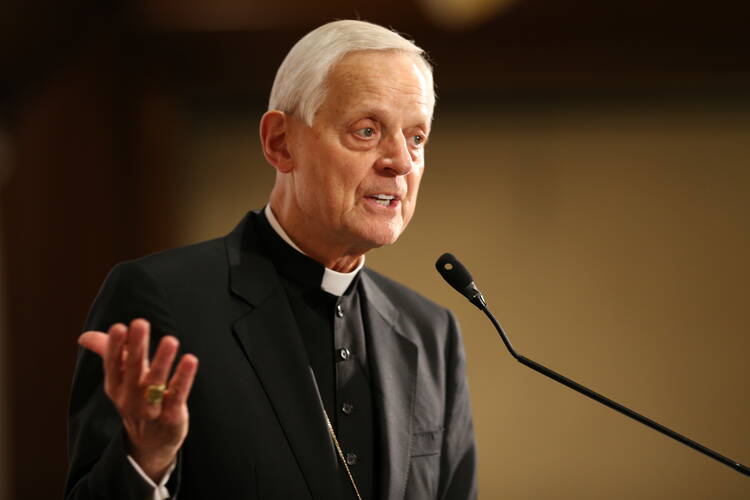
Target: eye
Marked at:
418, 139
365, 133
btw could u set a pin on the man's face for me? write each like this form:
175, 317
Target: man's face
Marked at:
357, 169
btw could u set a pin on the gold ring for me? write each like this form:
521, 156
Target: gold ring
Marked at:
155, 394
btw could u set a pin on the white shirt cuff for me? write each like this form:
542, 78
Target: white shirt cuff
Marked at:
160, 490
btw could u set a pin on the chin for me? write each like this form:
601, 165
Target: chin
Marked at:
384, 236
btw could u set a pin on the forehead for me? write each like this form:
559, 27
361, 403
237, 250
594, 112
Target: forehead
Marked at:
379, 79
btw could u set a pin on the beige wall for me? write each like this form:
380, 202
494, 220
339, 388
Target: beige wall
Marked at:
611, 240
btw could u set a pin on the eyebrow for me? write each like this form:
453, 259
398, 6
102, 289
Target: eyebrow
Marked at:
378, 113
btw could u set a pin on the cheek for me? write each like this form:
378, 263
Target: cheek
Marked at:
340, 183
353, 173
414, 179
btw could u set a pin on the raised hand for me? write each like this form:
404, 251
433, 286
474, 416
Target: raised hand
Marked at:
156, 420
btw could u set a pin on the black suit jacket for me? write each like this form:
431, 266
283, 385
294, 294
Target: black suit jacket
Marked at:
256, 426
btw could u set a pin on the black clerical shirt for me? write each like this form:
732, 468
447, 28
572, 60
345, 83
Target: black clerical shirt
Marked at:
334, 336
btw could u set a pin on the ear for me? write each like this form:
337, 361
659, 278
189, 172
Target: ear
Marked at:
273, 138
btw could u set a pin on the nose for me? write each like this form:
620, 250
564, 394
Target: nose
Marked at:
395, 158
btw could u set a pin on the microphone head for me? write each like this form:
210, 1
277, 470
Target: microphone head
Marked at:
454, 272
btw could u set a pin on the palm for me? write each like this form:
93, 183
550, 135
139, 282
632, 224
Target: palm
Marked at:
155, 430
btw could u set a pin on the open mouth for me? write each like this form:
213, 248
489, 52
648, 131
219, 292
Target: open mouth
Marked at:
385, 200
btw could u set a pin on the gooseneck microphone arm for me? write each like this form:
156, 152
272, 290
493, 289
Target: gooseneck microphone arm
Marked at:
459, 278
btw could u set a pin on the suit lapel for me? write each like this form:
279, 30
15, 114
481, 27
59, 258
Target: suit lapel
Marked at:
394, 359
271, 340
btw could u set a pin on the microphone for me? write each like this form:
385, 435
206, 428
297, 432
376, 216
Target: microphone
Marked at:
460, 279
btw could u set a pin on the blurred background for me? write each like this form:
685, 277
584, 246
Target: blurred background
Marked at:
589, 164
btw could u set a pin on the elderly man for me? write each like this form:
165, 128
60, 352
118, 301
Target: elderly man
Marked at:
319, 378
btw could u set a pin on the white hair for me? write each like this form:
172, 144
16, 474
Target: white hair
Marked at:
300, 84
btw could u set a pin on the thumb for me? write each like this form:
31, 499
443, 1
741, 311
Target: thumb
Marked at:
94, 341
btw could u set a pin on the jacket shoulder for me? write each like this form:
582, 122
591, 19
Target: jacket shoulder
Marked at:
143, 287
192, 261
181, 261
406, 298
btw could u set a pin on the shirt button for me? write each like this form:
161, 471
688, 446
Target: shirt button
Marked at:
347, 408
345, 353
339, 311
351, 459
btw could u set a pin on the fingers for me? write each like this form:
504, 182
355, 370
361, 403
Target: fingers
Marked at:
162, 362
158, 373
128, 374
136, 345
179, 386
94, 341
109, 347
113, 358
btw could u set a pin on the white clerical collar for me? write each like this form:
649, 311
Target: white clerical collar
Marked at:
333, 282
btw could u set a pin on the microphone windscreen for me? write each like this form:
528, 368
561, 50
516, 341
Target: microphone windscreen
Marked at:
453, 272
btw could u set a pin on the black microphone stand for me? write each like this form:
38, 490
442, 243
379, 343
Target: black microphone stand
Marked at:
459, 278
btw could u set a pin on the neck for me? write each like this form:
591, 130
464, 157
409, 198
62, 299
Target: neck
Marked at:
302, 237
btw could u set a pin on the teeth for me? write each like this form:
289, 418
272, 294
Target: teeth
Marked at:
383, 199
